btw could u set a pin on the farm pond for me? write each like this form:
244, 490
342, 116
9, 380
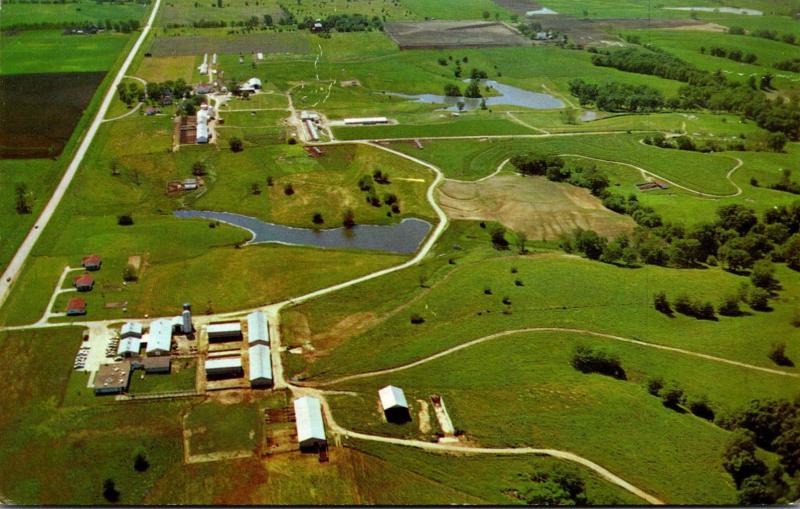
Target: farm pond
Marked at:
509, 96
40, 111
403, 237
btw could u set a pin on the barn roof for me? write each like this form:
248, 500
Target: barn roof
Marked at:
91, 260
225, 327
134, 328
84, 280
160, 335
129, 345
257, 329
76, 303
223, 363
308, 412
260, 362
392, 397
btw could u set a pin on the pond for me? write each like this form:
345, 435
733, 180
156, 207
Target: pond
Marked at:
509, 96
39, 111
402, 238
727, 10
544, 11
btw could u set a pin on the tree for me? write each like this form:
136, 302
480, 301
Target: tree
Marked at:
730, 306
777, 354
110, 492
498, 235
473, 90
522, 239
787, 445
754, 491
701, 407
487, 14
776, 141
129, 273
235, 144
255, 188
661, 303
125, 220
199, 168
451, 90
22, 198
739, 457
588, 360
288, 189
559, 487
589, 243
317, 218
348, 218
140, 463
763, 274
759, 299
654, 384
671, 395
790, 251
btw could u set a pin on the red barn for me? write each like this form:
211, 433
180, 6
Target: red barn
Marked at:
76, 307
91, 262
84, 283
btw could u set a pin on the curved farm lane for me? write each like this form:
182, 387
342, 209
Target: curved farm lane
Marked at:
120, 117
556, 329
728, 175
451, 448
487, 177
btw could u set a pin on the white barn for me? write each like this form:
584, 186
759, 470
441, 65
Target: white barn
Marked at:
260, 366
160, 340
224, 367
131, 329
224, 331
310, 427
129, 346
257, 328
395, 406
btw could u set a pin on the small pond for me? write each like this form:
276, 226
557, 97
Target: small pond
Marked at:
509, 96
402, 238
727, 10
541, 12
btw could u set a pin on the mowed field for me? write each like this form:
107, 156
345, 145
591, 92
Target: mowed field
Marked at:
77, 12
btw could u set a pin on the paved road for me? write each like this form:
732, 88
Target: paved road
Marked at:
15, 267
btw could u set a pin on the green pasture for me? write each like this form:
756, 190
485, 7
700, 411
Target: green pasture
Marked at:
77, 11
456, 9
40, 51
182, 378
217, 427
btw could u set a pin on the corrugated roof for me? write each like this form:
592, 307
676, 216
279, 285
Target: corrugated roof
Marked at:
76, 303
392, 397
308, 412
129, 345
260, 362
225, 328
131, 328
160, 335
223, 363
257, 329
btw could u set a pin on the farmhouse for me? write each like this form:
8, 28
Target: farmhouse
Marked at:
366, 121
310, 427
91, 262
159, 341
224, 367
395, 406
112, 378
224, 331
257, 328
83, 283
260, 366
76, 307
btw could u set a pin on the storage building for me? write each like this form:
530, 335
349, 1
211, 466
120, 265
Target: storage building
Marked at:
112, 378
76, 307
395, 406
310, 427
224, 331
260, 366
159, 341
91, 262
224, 367
366, 121
257, 328
129, 346
157, 364
131, 329
83, 283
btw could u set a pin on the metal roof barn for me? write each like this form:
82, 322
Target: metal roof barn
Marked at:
392, 397
260, 365
160, 340
131, 329
222, 331
257, 328
310, 427
129, 346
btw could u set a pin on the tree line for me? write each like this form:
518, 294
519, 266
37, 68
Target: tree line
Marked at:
734, 54
764, 33
615, 96
773, 142
123, 26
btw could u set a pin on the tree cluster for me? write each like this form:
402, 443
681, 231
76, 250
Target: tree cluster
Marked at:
786, 183
793, 65
614, 96
558, 487
773, 142
588, 360
734, 54
344, 22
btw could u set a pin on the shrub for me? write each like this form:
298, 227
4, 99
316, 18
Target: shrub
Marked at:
499, 238
777, 354
661, 303
763, 274
317, 218
416, 319
140, 463
730, 306
671, 395
587, 360
110, 492
235, 144
125, 220
759, 299
654, 384
288, 189
700, 407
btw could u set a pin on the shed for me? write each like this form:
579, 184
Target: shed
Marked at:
131, 329
129, 346
76, 306
160, 340
112, 378
83, 283
224, 331
310, 427
224, 367
91, 262
260, 366
395, 406
257, 328
366, 121
157, 364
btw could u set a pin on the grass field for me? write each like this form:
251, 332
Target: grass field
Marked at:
79, 11
222, 428
182, 378
33, 52
157, 69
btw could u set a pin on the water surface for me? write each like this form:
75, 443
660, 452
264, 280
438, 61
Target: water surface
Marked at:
509, 96
403, 237
727, 10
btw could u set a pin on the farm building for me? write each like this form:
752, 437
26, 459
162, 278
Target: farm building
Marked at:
202, 125
310, 427
204, 88
395, 406
157, 364
131, 329
91, 262
186, 319
311, 127
159, 341
224, 331
260, 366
366, 121
129, 346
189, 184
76, 307
224, 367
251, 85
257, 328
83, 283
112, 378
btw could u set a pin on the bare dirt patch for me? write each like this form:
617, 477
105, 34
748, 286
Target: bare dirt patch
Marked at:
453, 34
600, 31
534, 205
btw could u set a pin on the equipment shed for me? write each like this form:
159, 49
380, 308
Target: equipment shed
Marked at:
395, 406
257, 328
260, 366
224, 331
310, 426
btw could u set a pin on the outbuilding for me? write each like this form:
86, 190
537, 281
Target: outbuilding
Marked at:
112, 378
257, 328
76, 306
91, 262
310, 427
131, 330
366, 121
224, 367
156, 365
159, 342
83, 283
260, 366
224, 331
251, 85
395, 406
129, 346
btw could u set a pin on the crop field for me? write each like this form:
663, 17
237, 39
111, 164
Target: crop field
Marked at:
267, 42
453, 34
186, 12
78, 12
34, 52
